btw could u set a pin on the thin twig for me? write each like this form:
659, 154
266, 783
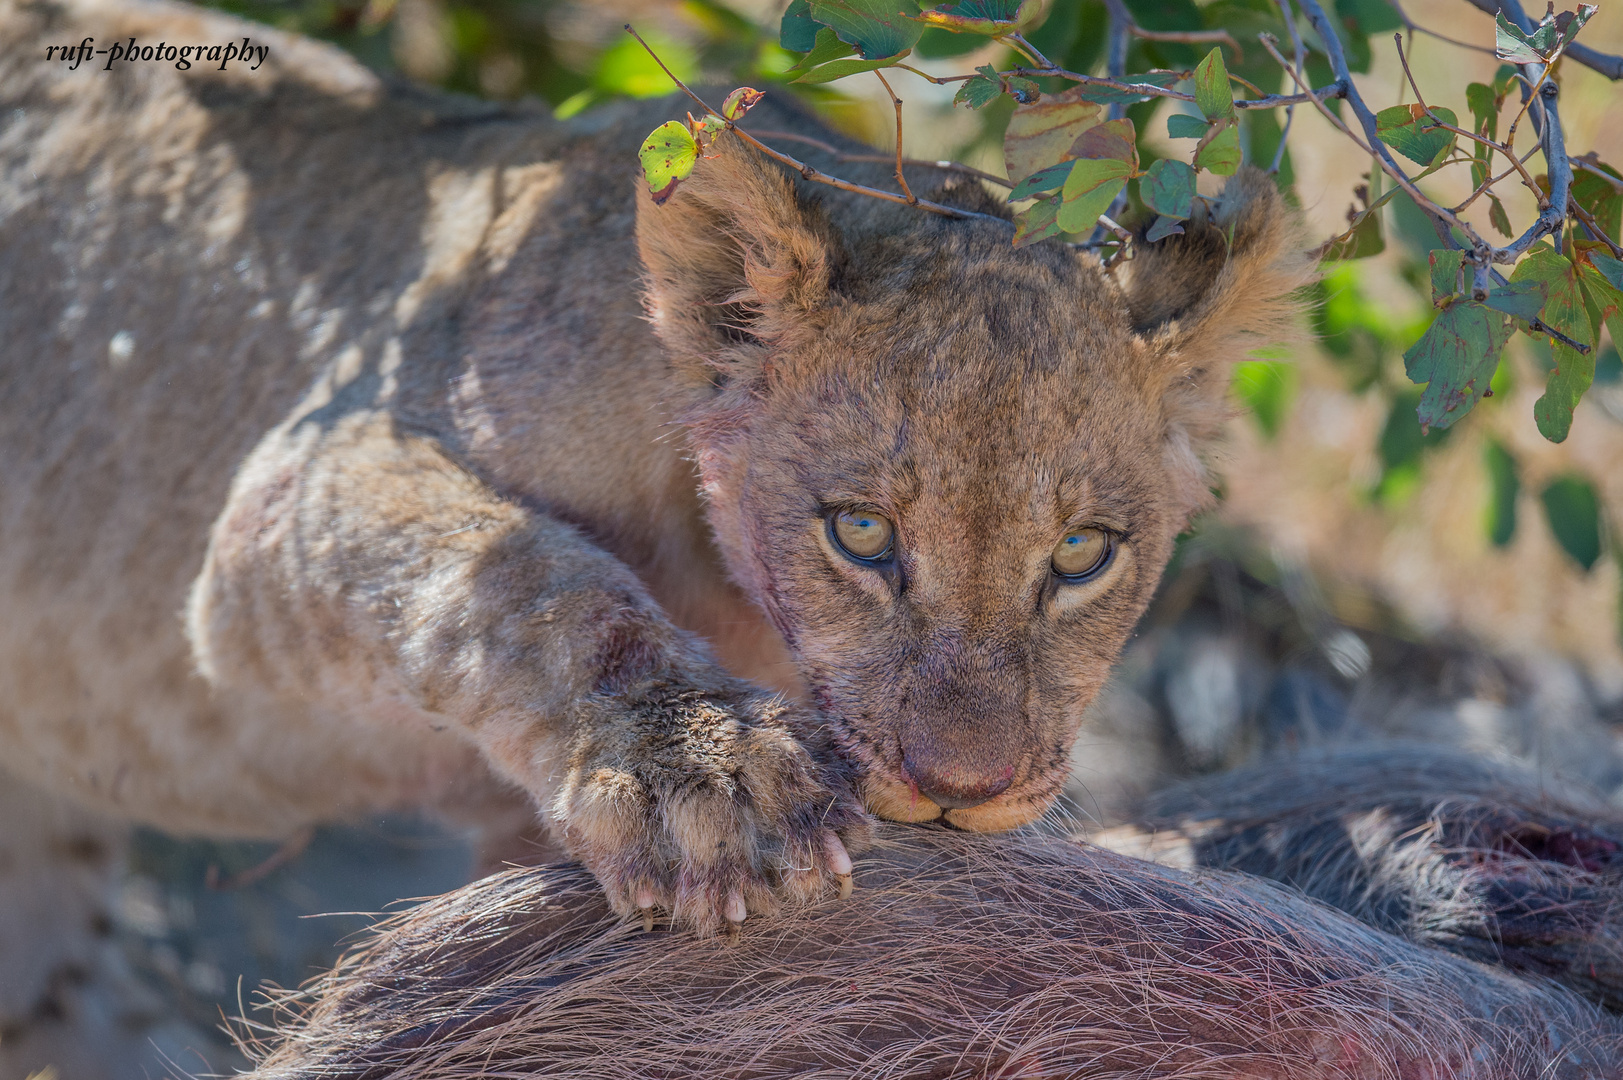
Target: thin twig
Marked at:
1019, 42
839, 155
941, 80
1378, 149
912, 199
805, 170
1592, 227
1415, 28
1189, 37
1437, 121
1554, 214
1589, 164
1301, 62
1121, 23
1025, 49
1269, 101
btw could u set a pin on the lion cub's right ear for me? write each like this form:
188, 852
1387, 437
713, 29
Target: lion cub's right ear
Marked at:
737, 263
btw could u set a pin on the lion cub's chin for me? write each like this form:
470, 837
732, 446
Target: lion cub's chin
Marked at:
895, 801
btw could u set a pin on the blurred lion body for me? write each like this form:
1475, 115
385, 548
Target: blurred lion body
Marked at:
345, 473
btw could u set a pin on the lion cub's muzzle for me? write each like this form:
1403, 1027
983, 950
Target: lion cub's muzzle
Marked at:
992, 804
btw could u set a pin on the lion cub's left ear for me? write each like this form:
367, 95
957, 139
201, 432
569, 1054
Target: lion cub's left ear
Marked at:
1204, 300
737, 263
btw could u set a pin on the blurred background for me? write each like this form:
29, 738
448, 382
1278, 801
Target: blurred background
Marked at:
1355, 577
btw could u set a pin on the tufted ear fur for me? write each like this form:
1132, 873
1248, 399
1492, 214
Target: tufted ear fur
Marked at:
736, 263
1202, 301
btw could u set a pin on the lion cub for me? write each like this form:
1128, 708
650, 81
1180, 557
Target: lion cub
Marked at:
367, 448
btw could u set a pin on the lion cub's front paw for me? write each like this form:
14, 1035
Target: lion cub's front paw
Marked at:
705, 805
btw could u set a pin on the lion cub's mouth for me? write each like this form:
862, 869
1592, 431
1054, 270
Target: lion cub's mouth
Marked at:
894, 800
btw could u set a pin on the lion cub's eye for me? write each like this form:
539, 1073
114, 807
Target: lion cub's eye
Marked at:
1082, 553
862, 535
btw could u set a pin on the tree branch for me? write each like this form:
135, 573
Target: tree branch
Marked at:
1554, 214
807, 171
1189, 37
1269, 101
1299, 76
1441, 218
839, 155
1414, 27
1121, 24
901, 180
1605, 63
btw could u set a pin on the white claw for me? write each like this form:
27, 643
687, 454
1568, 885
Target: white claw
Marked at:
845, 885
735, 911
839, 860
645, 901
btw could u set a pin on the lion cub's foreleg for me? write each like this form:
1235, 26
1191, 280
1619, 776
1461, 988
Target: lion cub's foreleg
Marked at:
359, 566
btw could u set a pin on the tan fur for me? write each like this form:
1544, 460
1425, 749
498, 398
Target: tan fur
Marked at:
343, 470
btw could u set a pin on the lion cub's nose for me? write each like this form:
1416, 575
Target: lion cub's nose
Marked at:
950, 795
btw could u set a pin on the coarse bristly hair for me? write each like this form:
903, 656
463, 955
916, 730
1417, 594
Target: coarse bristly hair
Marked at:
961, 956
1439, 846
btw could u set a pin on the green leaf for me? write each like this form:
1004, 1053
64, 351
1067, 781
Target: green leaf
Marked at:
1563, 310
1601, 278
1042, 133
1042, 180
1408, 130
1573, 510
839, 69
878, 28
993, 18
1212, 91
1366, 240
1219, 151
1184, 126
1089, 190
1114, 139
982, 90
1168, 188
1568, 23
1025, 91
1521, 300
798, 31
825, 47
740, 101
1519, 48
1504, 485
1603, 201
1484, 105
1497, 216
668, 156
1109, 95
1456, 359
1162, 228
1037, 223
1445, 275
1611, 269
1267, 388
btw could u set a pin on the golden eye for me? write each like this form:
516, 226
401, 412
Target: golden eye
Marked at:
1081, 553
862, 535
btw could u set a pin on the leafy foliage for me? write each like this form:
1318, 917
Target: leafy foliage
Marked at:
1072, 123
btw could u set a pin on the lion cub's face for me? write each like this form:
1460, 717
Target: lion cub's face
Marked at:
955, 529
950, 471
